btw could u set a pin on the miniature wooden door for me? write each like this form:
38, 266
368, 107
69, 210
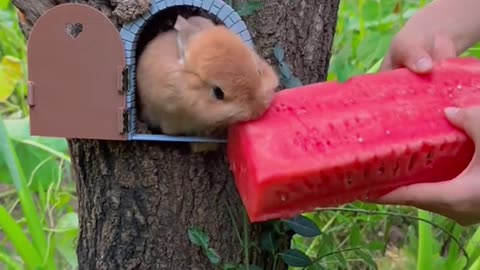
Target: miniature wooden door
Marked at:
75, 64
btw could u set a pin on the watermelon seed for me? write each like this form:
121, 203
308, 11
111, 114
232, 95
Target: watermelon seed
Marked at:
442, 147
329, 143
348, 177
360, 139
387, 132
381, 170
459, 87
412, 161
366, 173
309, 184
395, 169
429, 158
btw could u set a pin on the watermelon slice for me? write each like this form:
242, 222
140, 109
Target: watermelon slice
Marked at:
331, 143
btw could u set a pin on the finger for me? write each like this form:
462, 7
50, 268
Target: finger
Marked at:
411, 55
443, 48
467, 119
422, 195
386, 64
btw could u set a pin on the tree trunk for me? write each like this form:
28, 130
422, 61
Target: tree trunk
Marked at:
137, 199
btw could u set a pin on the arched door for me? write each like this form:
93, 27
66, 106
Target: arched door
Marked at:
75, 65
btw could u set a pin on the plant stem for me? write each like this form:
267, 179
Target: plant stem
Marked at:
275, 258
7, 193
246, 249
237, 232
317, 240
9, 261
372, 212
332, 253
376, 67
453, 249
47, 149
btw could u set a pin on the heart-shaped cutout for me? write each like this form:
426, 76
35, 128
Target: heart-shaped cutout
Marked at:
74, 29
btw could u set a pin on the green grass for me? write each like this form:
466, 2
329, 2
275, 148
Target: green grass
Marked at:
39, 224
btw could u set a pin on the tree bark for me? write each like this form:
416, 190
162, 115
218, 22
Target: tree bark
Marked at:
137, 199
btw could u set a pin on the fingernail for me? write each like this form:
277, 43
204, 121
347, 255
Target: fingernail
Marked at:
423, 64
451, 111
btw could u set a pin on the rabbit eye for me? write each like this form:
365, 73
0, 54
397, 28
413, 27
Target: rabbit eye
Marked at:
218, 93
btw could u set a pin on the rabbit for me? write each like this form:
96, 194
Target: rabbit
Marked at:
199, 78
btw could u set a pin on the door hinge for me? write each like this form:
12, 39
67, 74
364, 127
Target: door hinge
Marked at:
123, 117
122, 79
31, 94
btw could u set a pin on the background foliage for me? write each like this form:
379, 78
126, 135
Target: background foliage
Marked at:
38, 219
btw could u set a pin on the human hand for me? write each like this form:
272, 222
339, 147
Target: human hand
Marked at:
417, 51
442, 29
459, 198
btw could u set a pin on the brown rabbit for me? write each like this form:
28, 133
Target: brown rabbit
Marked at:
199, 78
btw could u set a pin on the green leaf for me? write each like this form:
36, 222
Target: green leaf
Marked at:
213, 256
355, 237
367, 258
341, 259
229, 266
279, 53
285, 70
19, 131
250, 267
10, 75
67, 232
293, 82
425, 252
295, 258
19, 240
34, 150
303, 226
198, 238
267, 241
375, 246
29, 210
315, 266
473, 245
248, 8
4, 4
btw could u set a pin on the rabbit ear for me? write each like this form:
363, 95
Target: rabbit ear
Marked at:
185, 31
181, 24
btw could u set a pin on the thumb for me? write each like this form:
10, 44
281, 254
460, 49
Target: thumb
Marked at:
419, 61
467, 119
412, 56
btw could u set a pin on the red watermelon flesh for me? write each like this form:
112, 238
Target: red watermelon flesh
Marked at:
331, 143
